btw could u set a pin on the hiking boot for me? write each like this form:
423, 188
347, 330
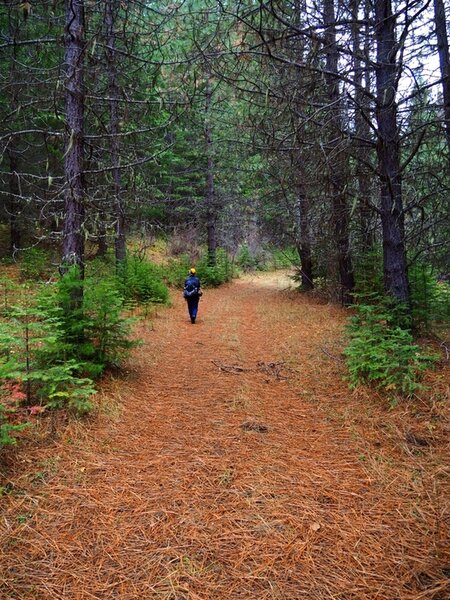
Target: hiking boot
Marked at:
192, 320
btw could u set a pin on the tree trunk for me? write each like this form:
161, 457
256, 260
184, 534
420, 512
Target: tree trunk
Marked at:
303, 242
388, 151
337, 159
15, 238
211, 211
13, 205
102, 240
302, 206
252, 231
444, 61
112, 10
362, 127
73, 235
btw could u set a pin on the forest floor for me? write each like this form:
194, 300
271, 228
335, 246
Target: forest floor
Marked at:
232, 461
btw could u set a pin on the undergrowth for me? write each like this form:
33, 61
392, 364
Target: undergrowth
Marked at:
8, 430
177, 269
58, 337
382, 351
35, 264
56, 341
430, 298
140, 280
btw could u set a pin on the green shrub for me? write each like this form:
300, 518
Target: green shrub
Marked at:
31, 358
94, 334
176, 271
141, 280
430, 298
284, 258
215, 276
21, 337
248, 261
101, 266
52, 348
382, 352
106, 329
62, 388
369, 277
35, 264
8, 430
9, 290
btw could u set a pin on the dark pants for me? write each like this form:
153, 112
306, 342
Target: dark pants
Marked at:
192, 303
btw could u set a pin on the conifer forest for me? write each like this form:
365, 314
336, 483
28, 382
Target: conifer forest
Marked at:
292, 441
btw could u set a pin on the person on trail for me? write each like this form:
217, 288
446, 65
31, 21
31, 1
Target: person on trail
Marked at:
192, 292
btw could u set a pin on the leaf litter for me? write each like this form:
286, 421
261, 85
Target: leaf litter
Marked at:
166, 495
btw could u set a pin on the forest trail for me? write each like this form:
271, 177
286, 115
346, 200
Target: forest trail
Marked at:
224, 466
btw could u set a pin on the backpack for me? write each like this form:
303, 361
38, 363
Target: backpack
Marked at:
190, 290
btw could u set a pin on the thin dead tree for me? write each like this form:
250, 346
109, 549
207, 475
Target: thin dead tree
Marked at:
112, 8
337, 156
211, 210
74, 209
363, 138
13, 207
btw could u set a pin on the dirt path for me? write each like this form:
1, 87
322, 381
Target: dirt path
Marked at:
221, 468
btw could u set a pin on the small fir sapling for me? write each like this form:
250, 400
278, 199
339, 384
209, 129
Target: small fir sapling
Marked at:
382, 351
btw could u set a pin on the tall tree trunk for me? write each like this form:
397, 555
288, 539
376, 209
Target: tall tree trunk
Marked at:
211, 210
112, 10
303, 241
362, 127
13, 205
337, 158
102, 240
15, 234
388, 151
444, 60
302, 206
73, 236
251, 228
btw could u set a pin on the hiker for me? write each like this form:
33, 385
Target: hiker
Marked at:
192, 293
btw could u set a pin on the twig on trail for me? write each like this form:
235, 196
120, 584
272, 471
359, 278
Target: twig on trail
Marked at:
251, 426
341, 360
231, 368
275, 369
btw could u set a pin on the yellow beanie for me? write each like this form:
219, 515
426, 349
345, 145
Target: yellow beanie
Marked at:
193, 271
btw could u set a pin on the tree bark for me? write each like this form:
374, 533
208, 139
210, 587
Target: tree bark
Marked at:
211, 211
302, 207
388, 151
102, 240
13, 205
112, 10
302, 240
15, 234
444, 61
337, 159
73, 235
362, 127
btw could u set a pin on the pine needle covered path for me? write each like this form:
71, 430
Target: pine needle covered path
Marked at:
231, 462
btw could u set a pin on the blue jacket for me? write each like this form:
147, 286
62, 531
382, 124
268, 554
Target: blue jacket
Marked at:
192, 280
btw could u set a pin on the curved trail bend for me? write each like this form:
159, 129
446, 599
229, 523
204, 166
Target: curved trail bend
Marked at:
215, 471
